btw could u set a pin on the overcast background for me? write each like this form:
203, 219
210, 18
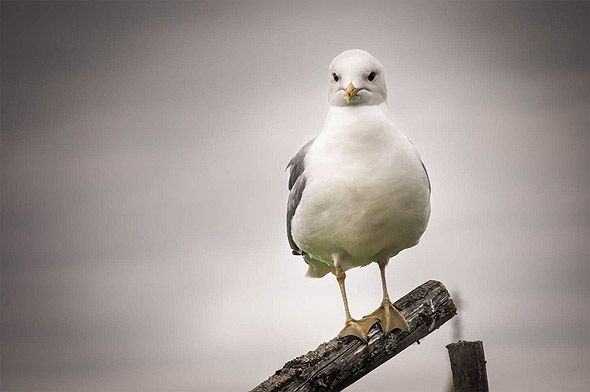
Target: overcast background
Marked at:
143, 191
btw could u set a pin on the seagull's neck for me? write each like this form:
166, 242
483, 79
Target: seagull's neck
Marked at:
338, 112
346, 119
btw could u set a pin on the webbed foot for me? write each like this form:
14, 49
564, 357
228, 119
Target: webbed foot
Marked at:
358, 328
389, 317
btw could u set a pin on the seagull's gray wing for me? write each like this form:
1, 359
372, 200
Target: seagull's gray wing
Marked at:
427, 176
297, 182
423, 166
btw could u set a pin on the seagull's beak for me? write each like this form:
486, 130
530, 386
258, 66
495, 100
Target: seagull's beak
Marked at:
351, 91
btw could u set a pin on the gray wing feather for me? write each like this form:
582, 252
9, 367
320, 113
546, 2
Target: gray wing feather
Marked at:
297, 181
294, 199
423, 167
297, 163
427, 176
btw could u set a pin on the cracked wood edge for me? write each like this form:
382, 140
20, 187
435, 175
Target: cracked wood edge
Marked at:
338, 363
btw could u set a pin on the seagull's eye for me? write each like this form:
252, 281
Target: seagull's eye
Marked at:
371, 76
336, 78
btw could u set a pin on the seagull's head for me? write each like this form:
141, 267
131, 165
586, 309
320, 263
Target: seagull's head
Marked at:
356, 79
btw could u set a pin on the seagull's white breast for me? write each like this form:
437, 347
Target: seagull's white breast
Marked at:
367, 194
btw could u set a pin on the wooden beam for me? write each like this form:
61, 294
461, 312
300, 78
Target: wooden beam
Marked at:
336, 364
468, 365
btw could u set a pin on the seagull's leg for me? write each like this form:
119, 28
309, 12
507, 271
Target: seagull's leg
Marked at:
389, 317
358, 328
340, 277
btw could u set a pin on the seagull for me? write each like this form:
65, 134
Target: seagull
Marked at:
359, 191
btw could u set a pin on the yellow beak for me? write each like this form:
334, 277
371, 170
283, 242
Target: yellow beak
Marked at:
351, 91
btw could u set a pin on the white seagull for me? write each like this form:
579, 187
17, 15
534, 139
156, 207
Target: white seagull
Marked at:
359, 192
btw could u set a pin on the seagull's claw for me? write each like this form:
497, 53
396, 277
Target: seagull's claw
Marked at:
389, 317
358, 328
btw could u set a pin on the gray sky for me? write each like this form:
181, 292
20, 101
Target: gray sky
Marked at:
143, 191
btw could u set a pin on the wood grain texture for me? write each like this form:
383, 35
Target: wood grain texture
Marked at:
468, 364
338, 363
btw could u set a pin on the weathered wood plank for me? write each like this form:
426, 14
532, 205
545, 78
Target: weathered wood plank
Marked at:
336, 364
468, 364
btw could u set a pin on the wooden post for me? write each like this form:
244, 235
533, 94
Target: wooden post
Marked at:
336, 364
468, 365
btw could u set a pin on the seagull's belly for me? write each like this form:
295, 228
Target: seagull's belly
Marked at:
365, 210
